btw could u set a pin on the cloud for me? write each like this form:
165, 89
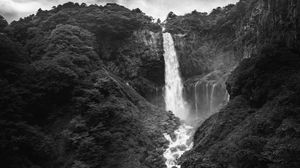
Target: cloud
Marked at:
160, 8
14, 9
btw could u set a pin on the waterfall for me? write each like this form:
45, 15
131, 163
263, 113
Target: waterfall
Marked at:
196, 96
210, 94
211, 103
175, 102
207, 95
174, 87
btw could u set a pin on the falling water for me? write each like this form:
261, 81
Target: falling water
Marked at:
210, 94
175, 103
207, 94
174, 87
211, 103
196, 97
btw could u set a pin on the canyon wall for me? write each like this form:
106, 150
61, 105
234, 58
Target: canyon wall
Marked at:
259, 127
210, 46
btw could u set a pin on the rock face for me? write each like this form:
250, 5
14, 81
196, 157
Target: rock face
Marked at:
68, 94
150, 78
260, 125
208, 43
209, 46
252, 130
207, 94
204, 42
221, 39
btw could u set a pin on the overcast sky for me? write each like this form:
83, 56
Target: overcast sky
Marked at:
14, 9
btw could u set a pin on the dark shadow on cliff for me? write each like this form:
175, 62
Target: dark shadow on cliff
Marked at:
260, 125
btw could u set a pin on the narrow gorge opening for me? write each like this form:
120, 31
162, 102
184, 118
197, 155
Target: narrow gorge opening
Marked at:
205, 95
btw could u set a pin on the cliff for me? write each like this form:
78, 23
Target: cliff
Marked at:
210, 46
221, 39
259, 127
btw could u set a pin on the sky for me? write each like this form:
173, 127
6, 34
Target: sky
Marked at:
14, 9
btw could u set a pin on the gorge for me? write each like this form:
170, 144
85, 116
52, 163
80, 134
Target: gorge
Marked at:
91, 86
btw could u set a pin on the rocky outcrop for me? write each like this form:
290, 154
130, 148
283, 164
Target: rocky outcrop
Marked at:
150, 77
260, 125
139, 60
206, 42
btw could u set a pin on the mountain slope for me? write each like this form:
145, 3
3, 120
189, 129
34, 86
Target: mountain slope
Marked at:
62, 102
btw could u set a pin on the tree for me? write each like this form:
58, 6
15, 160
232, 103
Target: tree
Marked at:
158, 21
3, 23
171, 15
195, 12
137, 10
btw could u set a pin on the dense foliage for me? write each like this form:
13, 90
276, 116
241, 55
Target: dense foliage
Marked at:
3, 23
62, 104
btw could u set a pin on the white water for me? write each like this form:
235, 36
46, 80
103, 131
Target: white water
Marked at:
210, 95
211, 108
175, 103
180, 144
173, 89
196, 97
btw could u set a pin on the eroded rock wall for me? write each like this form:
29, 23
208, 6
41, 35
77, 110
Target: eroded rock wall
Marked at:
260, 125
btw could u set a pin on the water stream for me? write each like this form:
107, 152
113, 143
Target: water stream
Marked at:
209, 94
181, 141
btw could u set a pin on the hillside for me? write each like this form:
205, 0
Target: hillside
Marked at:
63, 103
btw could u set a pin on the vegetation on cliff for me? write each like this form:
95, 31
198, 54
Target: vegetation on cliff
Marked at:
222, 38
206, 42
62, 102
259, 127
114, 30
